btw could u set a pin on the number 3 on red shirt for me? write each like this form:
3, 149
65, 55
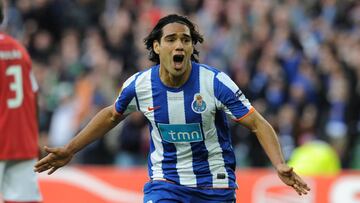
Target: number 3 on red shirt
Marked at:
15, 86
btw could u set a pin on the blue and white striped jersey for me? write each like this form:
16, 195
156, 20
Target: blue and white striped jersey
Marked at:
190, 140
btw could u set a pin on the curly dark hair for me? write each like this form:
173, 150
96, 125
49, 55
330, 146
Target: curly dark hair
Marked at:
156, 34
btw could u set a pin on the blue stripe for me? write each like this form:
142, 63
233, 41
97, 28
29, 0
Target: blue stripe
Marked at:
151, 150
161, 116
126, 95
224, 138
200, 154
229, 99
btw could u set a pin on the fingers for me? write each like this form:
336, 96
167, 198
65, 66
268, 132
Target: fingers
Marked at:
301, 190
44, 161
42, 168
52, 166
301, 182
53, 169
298, 189
47, 167
299, 185
290, 178
56, 158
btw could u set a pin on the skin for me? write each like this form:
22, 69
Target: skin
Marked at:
270, 143
176, 40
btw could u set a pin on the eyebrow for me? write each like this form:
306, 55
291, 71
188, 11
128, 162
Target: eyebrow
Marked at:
174, 34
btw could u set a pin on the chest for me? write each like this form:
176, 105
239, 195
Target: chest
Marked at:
181, 107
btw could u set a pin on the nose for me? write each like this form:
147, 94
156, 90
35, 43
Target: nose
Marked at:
179, 46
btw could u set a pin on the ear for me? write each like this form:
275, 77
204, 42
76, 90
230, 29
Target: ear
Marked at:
156, 47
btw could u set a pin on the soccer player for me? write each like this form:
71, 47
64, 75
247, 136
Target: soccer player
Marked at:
186, 104
18, 122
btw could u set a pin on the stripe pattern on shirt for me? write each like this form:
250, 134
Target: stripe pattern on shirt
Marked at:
209, 162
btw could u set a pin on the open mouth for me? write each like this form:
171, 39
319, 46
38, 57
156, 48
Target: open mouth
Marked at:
178, 61
178, 58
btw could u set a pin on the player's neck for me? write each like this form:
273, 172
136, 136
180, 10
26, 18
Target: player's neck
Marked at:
174, 81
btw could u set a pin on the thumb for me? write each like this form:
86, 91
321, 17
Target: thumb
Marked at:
288, 169
49, 150
285, 169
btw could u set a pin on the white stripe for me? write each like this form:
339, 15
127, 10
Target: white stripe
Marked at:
93, 185
225, 79
216, 160
131, 107
144, 94
245, 101
184, 165
125, 84
129, 80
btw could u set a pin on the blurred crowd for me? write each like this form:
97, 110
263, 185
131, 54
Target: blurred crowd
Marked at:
298, 61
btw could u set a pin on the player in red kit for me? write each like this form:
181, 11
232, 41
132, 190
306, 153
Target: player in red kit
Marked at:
18, 123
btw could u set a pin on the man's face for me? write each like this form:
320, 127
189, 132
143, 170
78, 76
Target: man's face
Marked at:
175, 48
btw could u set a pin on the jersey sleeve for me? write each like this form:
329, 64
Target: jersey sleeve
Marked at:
230, 99
126, 101
34, 84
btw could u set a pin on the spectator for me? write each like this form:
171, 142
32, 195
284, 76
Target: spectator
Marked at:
286, 46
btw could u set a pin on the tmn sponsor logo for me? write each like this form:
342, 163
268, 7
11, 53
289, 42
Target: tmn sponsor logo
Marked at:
181, 133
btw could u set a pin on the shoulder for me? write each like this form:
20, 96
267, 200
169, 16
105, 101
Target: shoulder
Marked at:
141, 75
218, 75
10, 43
148, 70
146, 73
5, 38
208, 68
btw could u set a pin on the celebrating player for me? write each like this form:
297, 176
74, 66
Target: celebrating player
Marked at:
186, 104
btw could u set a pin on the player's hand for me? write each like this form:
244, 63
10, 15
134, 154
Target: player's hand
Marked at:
290, 178
56, 158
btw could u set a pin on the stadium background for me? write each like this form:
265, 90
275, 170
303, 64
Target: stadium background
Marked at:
298, 61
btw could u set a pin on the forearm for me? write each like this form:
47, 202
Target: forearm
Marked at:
266, 136
269, 141
103, 122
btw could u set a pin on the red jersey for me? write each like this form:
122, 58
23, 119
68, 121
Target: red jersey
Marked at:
18, 120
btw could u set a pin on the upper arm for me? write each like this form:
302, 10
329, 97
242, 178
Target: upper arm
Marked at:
230, 98
253, 120
114, 115
126, 101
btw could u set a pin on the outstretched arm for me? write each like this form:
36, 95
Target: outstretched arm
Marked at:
103, 122
268, 140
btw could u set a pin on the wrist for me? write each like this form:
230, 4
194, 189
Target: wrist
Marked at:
279, 166
69, 149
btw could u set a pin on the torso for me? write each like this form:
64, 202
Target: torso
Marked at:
18, 121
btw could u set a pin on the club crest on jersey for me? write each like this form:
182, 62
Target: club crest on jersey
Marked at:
198, 105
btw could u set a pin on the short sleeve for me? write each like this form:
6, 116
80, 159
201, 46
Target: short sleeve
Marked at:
34, 84
127, 102
230, 98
